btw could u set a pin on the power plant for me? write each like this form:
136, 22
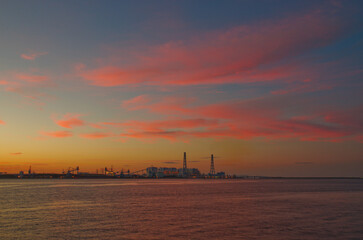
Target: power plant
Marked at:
184, 172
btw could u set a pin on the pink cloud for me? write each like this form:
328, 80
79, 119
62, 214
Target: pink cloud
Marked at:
159, 125
237, 55
263, 52
136, 102
351, 117
96, 125
29, 85
3, 82
167, 104
306, 85
266, 117
359, 138
32, 78
170, 129
169, 135
244, 119
32, 55
57, 134
96, 135
2, 122
171, 104
70, 120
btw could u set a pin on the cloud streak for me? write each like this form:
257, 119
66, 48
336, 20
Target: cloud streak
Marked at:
31, 78
96, 135
16, 153
242, 54
69, 120
28, 84
32, 55
57, 134
267, 117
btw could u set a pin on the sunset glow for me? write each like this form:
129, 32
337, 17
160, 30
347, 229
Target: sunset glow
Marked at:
276, 91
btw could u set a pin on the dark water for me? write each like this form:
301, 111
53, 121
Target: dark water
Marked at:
181, 209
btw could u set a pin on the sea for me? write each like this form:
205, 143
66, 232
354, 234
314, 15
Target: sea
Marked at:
181, 209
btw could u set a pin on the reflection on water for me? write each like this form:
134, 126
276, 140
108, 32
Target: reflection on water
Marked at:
180, 209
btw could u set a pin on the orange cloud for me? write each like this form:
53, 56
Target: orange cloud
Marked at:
57, 134
2, 122
96, 135
70, 120
32, 55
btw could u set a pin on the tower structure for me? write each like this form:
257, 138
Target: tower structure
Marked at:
185, 170
212, 171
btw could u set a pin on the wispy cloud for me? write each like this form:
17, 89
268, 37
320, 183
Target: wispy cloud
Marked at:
69, 120
57, 134
32, 55
96, 135
243, 54
72, 120
266, 117
28, 84
16, 153
31, 78
136, 103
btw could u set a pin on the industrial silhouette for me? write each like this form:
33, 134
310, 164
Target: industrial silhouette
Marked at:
150, 172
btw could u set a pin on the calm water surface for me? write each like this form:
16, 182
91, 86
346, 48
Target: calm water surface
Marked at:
181, 209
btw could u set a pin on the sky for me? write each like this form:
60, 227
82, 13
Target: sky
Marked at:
271, 88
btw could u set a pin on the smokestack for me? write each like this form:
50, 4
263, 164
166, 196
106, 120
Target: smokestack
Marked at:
212, 170
185, 164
